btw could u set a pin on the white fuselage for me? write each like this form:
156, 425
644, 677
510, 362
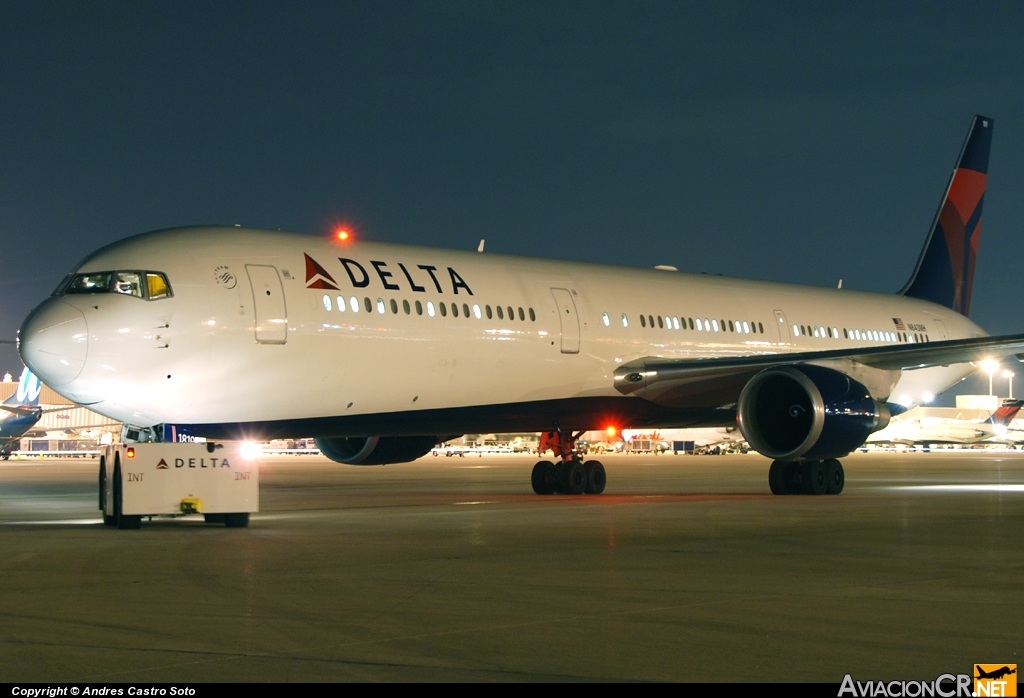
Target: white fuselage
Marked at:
245, 338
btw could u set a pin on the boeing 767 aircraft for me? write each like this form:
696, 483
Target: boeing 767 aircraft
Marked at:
380, 350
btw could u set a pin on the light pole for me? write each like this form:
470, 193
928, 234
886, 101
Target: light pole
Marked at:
1008, 375
990, 366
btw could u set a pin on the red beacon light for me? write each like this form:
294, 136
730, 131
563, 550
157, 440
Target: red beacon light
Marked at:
610, 431
130, 453
342, 235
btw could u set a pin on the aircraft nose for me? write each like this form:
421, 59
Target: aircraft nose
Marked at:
54, 342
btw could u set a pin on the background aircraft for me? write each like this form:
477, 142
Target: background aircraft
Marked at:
937, 430
19, 413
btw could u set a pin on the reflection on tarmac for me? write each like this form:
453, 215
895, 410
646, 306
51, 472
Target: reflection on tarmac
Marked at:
686, 569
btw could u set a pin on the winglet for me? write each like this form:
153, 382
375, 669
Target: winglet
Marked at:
945, 270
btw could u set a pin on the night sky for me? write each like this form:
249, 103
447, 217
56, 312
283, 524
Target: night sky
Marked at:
802, 142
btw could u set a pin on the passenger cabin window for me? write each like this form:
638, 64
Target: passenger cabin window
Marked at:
150, 285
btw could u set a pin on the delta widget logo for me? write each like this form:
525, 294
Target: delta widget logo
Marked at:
317, 276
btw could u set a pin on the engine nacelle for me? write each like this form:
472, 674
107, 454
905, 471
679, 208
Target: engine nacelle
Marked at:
376, 450
807, 412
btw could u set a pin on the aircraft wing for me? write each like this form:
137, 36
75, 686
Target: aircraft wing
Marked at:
720, 380
21, 410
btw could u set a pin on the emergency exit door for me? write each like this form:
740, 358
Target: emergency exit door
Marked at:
570, 321
782, 327
268, 304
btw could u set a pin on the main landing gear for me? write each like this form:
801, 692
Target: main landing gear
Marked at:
806, 477
571, 475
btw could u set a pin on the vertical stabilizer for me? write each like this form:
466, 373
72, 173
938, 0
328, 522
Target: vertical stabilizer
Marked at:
27, 394
945, 270
1006, 413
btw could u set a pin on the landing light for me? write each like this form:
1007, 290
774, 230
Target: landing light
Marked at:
927, 397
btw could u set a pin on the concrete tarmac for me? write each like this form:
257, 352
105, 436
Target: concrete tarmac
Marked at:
450, 569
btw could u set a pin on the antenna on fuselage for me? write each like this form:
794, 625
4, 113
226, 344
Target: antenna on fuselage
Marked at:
480, 247
840, 283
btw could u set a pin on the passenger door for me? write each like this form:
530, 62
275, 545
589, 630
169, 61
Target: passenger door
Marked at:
782, 327
569, 319
268, 304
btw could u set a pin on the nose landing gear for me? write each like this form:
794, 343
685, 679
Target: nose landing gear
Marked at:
571, 475
807, 477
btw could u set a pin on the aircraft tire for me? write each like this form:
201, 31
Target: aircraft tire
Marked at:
574, 477
596, 477
103, 484
543, 478
125, 522
814, 476
836, 476
237, 520
108, 519
779, 476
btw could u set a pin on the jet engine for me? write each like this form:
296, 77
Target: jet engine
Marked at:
807, 412
375, 450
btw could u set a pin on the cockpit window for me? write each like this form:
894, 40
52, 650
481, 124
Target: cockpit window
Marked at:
63, 285
149, 284
127, 282
89, 283
157, 285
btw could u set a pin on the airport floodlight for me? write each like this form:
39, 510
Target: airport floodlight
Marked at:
990, 366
